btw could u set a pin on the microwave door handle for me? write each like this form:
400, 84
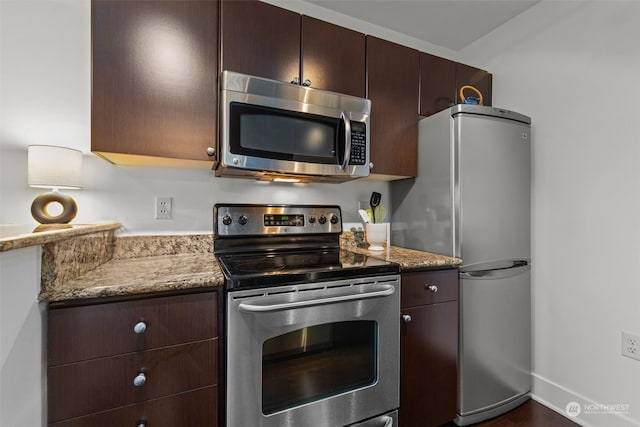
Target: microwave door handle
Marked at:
347, 142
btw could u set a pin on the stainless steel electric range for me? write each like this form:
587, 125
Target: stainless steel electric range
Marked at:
312, 330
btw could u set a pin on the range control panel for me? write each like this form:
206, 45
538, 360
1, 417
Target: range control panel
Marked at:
252, 220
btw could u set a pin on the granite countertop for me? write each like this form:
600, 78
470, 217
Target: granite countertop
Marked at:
99, 265
129, 265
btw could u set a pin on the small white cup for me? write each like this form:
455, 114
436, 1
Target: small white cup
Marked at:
377, 235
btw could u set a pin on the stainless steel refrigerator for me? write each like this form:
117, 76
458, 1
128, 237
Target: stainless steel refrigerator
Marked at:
471, 200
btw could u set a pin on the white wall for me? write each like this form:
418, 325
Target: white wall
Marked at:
22, 340
46, 99
574, 68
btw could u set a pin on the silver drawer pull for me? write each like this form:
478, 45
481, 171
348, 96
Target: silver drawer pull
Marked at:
142, 424
140, 327
432, 288
406, 318
140, 379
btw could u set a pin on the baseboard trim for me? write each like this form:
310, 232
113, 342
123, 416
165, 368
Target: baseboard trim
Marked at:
585, 411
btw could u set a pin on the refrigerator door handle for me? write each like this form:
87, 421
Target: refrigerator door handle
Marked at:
495, 269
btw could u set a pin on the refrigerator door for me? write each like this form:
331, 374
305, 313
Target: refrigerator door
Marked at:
491, 188
494, 343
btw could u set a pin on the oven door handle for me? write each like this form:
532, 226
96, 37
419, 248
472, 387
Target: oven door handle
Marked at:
268, 304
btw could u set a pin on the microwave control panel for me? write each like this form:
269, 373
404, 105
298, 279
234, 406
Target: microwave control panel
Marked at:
358, 143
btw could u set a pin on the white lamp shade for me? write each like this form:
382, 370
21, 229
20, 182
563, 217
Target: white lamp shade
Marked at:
54, 167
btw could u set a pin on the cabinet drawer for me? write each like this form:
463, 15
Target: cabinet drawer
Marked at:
194, 408
83, 388
429, 287
86, 332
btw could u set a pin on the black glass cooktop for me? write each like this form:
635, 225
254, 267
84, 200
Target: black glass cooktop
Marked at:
256, 270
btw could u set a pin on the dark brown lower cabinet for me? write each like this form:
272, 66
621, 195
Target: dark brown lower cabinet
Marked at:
193, 408
428, 348
163, 372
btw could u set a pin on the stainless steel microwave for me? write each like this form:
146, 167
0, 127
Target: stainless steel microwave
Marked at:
273, 130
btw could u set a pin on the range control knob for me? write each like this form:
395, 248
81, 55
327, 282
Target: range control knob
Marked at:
243, 220
312, 220
334, 219
226, 220
322, 219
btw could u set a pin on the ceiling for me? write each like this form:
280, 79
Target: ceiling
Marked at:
452, 24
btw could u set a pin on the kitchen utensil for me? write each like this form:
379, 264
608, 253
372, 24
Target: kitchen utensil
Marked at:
364, 216
381, 214
374, 202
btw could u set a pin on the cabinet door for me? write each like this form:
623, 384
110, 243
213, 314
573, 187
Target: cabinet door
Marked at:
392, 87
154, 88
333, 57
437, 84
260, 39
82, 388
429, 287
428, 365
100, 330
194, 408
480, 79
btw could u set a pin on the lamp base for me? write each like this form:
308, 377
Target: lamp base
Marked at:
40, 213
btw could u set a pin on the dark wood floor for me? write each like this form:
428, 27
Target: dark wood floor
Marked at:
530, 414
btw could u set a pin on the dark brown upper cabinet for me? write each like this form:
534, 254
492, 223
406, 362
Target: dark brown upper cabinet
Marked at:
154, 84
259, 39
333, 57
437, 83
263, 40
393, 87
480, 79
441, 80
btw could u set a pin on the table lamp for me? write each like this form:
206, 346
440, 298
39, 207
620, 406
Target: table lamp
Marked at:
55, 168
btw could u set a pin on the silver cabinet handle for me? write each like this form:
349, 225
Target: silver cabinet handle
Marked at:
406, 318
140, 379
307, 83
432, 288
140, 327
371, 167
211, 151
142, 424
347, 140
295, 81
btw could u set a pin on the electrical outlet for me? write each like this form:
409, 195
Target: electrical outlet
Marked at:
163, 207
630, 345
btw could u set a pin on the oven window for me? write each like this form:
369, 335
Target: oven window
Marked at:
283, 135
317, 362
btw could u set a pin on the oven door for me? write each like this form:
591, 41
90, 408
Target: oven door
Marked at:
323, 354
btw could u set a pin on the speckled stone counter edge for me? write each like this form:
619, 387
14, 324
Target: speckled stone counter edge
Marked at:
52, 236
